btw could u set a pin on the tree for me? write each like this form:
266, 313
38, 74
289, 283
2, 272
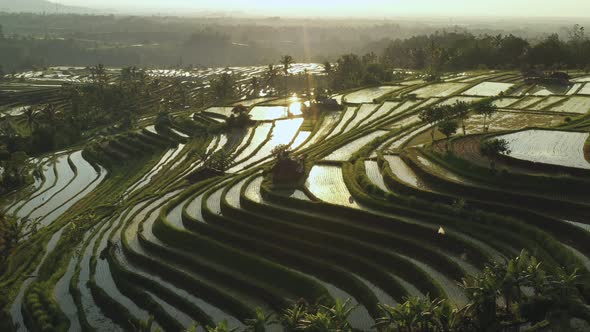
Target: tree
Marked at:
222, 88
492, 148
448, 128
98, 74
271, 76
461, 110
281, 152
486, 108
349, 72
255, 86
49, 112
431, 116
10, 234
328, 67
286, 61
240, 116
30, 114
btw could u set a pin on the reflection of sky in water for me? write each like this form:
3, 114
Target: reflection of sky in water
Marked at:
285, 131
262, 113
295, 107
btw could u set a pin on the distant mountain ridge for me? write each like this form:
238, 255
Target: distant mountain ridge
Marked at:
40, 6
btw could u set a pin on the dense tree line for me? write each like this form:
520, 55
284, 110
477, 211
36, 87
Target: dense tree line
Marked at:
45, 40
451, 51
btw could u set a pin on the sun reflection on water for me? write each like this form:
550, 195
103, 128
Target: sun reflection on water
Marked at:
285, 131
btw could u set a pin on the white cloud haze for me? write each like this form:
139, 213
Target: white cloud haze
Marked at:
375, 8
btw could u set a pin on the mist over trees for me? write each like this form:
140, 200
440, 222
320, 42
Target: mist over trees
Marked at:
30, 40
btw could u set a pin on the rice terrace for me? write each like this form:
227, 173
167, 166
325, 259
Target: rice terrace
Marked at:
368, 193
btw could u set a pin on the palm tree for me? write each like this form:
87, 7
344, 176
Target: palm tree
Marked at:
50, 114
99, 74
255, 85
223, 87
30, 114
328, 67
286, 61
271, 76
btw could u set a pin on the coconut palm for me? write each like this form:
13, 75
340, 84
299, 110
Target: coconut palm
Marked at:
328, 67
30, 114
255, 85
50, 114
222, 88
271, 76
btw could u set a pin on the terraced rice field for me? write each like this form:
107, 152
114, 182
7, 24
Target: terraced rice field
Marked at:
488, 89
343, 122
526, 102
505, 102
440, 90
327, 184
345, 152
541, 90
370, 94
164, 234
266, 113
547, 102
513, 120
574, 104
468, 100
223, 111
551, 147
583, 90
574, 89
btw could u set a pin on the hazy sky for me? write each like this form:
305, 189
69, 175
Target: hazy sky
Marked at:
378, 8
